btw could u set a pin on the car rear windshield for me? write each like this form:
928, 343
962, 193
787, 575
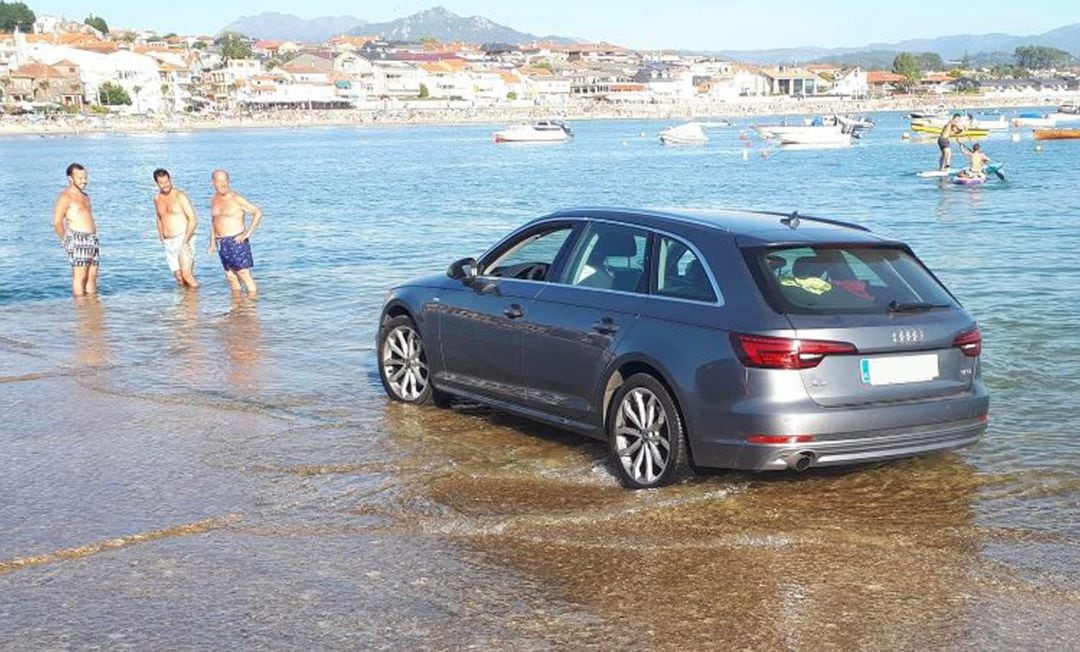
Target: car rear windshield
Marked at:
835, 279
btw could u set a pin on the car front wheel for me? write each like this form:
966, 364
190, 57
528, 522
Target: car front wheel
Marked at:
645, 435
403, 363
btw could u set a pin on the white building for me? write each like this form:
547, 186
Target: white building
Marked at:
853, 83
137, 73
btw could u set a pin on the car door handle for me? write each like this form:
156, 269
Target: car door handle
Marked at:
605, 326
514, 311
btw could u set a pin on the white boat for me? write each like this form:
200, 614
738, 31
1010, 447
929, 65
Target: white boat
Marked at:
832, 135
1060, 117
999, 123
690, 133
544, 131
1034, 120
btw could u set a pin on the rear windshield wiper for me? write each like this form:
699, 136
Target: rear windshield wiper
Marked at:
914, 306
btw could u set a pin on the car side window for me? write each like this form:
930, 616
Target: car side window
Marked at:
608, 257
531, 257
680, 274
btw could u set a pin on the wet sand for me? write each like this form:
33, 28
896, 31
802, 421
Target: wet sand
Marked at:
163, 521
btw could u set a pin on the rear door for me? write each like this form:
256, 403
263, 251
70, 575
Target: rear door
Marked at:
903, 324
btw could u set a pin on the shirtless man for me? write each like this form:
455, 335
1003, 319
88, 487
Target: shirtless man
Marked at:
951, 129
74, 224
176, 228
230, 236
977, 170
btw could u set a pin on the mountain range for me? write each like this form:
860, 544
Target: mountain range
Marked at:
949, 47
444, 25
436, 23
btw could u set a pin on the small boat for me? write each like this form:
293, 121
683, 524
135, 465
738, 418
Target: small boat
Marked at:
1056, 134
1070, 108
690, 133
935, 129
830, 135
856, 126
1060, 117
716, 123
544, 131
997, 123
1034, 120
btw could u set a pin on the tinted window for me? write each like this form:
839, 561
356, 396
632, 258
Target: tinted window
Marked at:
680, 274
608, 257
835, 280
532, 256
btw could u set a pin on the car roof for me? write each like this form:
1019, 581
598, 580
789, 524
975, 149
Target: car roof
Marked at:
749, 227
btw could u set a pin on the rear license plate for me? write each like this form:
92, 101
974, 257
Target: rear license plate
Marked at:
899, 369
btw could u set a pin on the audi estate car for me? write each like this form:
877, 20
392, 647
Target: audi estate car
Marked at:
684, 338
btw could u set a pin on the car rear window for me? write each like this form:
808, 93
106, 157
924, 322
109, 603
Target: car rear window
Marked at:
846, 280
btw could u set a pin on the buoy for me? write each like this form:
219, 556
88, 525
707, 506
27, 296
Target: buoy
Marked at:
905, 136
1038, 148
624, 143
1016, 138
746, 155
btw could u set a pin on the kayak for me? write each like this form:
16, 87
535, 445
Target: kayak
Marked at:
993, 168
1056, 134
967, 133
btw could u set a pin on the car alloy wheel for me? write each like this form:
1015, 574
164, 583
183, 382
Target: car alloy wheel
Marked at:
646, 435
403, 363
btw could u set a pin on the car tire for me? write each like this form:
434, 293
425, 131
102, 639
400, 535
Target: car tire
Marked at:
645, 433
403, 364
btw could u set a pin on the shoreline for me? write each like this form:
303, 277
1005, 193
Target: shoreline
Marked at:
439, 113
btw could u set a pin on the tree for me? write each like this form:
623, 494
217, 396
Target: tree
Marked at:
98, 23
233, 46
907, 65
199, 45
424, 92
16, 15
511, 95
137, 89
111, 94
929, 61
43, 85
1037, 57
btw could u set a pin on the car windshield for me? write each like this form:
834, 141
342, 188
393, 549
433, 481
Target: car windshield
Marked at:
846, 280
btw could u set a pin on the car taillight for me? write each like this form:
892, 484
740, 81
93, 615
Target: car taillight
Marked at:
783, 353
969, 343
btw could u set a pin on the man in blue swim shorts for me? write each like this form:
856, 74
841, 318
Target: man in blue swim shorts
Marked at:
229, 234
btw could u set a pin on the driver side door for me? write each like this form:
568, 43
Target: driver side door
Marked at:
482, 324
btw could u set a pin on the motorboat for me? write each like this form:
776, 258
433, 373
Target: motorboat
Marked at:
543, 131
1037, 120
1070, 108
690, 133
831, 135
856, 126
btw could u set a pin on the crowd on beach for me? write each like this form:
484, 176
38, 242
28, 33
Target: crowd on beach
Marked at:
230, 231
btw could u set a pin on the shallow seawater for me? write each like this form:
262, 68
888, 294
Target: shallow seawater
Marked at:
181, 469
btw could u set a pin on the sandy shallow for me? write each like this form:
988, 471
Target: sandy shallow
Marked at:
175, 519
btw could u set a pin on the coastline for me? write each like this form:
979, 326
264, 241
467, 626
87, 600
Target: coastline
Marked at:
440, 113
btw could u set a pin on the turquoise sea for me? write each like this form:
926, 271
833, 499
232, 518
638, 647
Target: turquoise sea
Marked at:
350, 212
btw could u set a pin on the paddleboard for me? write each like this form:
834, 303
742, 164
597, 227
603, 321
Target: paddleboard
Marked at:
936, 173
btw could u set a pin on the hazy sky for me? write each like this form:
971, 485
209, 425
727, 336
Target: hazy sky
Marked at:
721, 24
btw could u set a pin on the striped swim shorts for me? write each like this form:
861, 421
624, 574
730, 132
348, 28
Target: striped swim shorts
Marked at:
81, 248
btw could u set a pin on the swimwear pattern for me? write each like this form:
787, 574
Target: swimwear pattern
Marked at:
82, 248
235, 255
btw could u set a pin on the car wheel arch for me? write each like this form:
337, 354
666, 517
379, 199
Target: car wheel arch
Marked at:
625, 368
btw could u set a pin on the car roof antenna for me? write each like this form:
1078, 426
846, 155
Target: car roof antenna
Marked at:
791, 220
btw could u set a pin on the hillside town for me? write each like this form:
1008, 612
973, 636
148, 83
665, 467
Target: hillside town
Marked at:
66, 66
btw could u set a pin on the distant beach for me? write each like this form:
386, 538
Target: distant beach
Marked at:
442, 113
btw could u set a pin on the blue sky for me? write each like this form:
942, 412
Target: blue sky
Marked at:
720, 24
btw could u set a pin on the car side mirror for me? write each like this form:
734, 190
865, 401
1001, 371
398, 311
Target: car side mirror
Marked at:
463, 270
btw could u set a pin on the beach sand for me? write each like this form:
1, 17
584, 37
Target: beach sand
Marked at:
439, 113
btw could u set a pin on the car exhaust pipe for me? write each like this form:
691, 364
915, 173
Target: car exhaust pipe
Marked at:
799, 461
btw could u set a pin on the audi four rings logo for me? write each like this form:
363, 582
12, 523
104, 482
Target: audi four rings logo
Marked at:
908, 336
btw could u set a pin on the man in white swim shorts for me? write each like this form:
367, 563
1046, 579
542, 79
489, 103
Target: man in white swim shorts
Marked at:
176, 228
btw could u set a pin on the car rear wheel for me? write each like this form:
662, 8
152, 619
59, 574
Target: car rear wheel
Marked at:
645, 435
403, 363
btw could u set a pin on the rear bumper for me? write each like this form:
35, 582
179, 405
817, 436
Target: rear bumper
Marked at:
848, 436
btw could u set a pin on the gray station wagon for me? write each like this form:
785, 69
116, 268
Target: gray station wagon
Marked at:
731, 339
